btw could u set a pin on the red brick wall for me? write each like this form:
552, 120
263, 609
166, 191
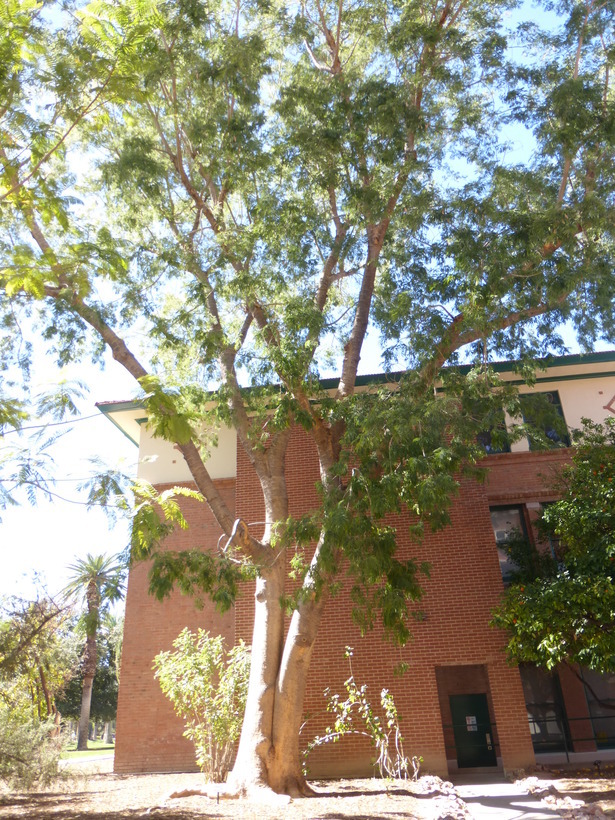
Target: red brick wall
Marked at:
464, 586
149, 736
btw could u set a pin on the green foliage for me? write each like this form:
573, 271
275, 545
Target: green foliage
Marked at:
26, 449
38, 659
155, 514
29, 751
105, 685
383, 731
39, 655
265, 182
208, 690
530, 561
99, 581
562, 609
198, 574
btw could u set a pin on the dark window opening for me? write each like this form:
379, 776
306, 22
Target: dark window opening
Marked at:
508, 525
553, 542
494, 440
545, 709
600, 693
543, 412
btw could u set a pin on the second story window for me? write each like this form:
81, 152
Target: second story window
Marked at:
494, 439
543, 411
508, 526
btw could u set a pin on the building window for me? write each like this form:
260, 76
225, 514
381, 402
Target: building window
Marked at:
554, 542
543, 412
508, 525
545, 709
600, 693
494, 439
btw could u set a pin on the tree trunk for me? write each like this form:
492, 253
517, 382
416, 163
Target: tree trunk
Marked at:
89, 667
285, 766
268, 756
250, 771
84, 718
107, 736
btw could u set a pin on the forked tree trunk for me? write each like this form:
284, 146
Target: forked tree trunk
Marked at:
251, 769
285, 768
268, 754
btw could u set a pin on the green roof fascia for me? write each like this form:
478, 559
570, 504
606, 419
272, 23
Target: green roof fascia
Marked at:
603, 357
107, 408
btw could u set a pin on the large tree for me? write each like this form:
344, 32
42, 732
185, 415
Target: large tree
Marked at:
265, 183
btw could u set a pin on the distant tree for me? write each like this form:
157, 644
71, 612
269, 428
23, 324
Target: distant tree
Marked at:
38, 658
106, 680
98, 580
38, 655
561, 606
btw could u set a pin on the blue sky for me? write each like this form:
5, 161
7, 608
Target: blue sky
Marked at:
46, 538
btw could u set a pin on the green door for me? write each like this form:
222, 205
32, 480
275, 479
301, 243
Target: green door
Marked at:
472, 730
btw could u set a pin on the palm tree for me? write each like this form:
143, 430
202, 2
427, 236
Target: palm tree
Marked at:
99, 580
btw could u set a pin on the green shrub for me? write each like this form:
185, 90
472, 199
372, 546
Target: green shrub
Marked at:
29, 751
208, 690
384, 732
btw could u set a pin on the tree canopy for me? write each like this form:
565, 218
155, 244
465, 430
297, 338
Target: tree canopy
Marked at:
228, 197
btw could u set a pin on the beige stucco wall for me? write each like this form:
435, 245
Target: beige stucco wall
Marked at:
161, 463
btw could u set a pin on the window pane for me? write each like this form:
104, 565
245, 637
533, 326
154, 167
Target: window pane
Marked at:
508, 523
601, 704
543, 411
545, 710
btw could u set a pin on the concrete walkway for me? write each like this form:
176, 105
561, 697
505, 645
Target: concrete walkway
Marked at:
493, 798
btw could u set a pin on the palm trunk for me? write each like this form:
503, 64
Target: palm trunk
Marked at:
89, 665
84, 718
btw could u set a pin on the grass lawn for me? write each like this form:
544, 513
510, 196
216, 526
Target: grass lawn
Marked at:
95, 748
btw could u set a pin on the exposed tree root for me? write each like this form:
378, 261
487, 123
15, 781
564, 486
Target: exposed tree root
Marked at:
299, 788
219, 791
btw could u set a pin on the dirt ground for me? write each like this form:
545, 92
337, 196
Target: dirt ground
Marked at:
95, 793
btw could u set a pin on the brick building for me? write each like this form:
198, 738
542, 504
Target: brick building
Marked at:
461, 704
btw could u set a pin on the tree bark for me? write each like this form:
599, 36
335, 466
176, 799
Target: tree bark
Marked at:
84, 717
108, 733
251, 770
285, 767
89, 665
268, 755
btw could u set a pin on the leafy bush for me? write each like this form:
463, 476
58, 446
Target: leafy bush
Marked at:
208, 690
29, 751
384, 731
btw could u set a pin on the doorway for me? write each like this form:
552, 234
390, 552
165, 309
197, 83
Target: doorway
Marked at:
474, 741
